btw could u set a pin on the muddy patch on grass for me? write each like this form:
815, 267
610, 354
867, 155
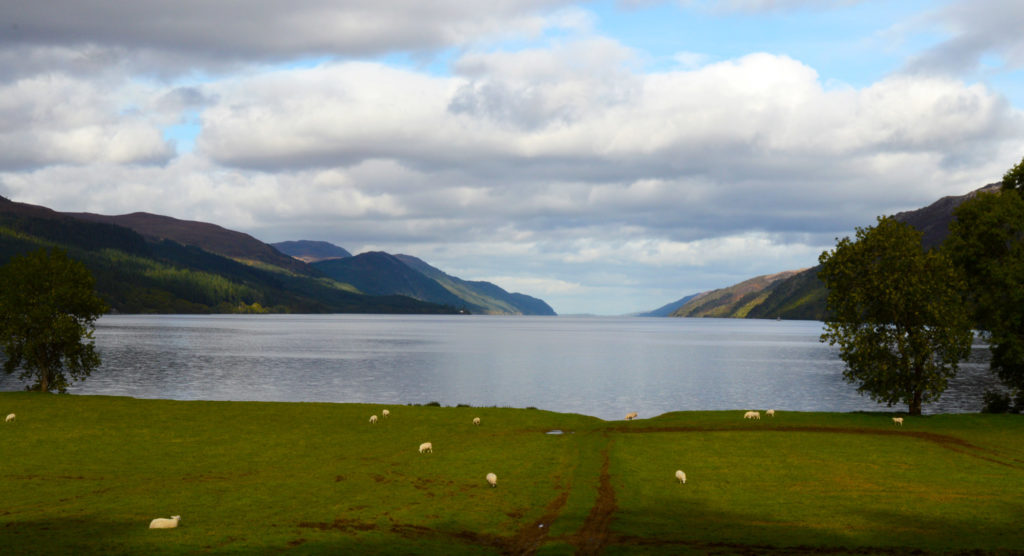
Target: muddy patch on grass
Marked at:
344, 525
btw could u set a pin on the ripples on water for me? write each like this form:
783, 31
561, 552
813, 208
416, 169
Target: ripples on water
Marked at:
600, 366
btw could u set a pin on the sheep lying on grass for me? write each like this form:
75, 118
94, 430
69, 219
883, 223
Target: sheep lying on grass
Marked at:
426, 447
898, 421
752, 415
9, 418
770, 413
680, 476
631, 416
476, 421
385, 413
492, 479
164, 523
373, 419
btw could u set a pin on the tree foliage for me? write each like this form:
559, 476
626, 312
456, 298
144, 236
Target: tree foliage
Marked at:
47, 310
1013, 179
987, 241
896, 313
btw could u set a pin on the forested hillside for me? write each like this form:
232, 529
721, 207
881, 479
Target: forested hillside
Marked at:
139, 275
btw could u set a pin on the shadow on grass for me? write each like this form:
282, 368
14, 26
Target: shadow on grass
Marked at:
699, 529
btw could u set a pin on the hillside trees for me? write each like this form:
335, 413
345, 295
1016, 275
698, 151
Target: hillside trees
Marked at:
47, 310
896, 313
987, 241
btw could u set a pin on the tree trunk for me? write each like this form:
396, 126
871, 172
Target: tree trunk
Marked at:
915, 404
44, 380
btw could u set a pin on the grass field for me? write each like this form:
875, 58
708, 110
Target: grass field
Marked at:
85, 475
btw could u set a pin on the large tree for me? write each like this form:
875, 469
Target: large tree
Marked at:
47, 309
987, 241
896, 313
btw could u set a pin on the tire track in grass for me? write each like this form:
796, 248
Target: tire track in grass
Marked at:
595, 533
530, 538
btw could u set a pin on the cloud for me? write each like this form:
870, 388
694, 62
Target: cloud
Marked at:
760, 6
506, 137
53, 119
208, 32
977, 29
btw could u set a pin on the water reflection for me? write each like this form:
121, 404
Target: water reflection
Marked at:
604, 367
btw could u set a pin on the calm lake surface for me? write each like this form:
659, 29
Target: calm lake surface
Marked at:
600, 366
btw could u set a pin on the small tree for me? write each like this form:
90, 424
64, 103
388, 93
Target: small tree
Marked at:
47, 310
895, 310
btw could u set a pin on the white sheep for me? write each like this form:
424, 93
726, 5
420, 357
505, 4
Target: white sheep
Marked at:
492, 479
770, 413
373, 419
680, 476
9, 418
476, 421
898, 421
752, 415
631, 416
426, 447
385, 413
164, 523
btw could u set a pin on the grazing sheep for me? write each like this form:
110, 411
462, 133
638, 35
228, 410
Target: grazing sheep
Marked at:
680, 476
9, 418
898, 421
770, 413
385, 413
492, 479
631, 416
426, 447
752, 415
373, 419
164, 523
476, 421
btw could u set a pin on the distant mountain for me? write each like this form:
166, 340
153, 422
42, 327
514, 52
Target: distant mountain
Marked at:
381, 273
151, 273
734, 301
210, 237
802, 295
667, 309
481, 297
311, 251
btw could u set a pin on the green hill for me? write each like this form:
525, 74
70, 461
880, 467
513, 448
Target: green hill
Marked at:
154, 272
381, 273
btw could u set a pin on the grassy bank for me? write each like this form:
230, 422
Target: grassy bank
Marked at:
84, 475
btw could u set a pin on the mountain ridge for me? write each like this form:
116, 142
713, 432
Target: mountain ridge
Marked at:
801, 295
147, 263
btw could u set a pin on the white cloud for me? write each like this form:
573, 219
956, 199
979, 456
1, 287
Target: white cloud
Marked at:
50, 119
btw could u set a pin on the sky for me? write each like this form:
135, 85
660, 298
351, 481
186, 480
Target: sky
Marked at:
608, 157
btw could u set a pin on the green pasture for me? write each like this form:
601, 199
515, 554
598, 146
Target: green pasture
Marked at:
85, 475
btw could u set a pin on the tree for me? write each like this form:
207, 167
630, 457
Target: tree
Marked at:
1014, 178
47, 310
987, 242
895, 310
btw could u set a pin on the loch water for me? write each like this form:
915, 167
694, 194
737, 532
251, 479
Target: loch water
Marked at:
599, 366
